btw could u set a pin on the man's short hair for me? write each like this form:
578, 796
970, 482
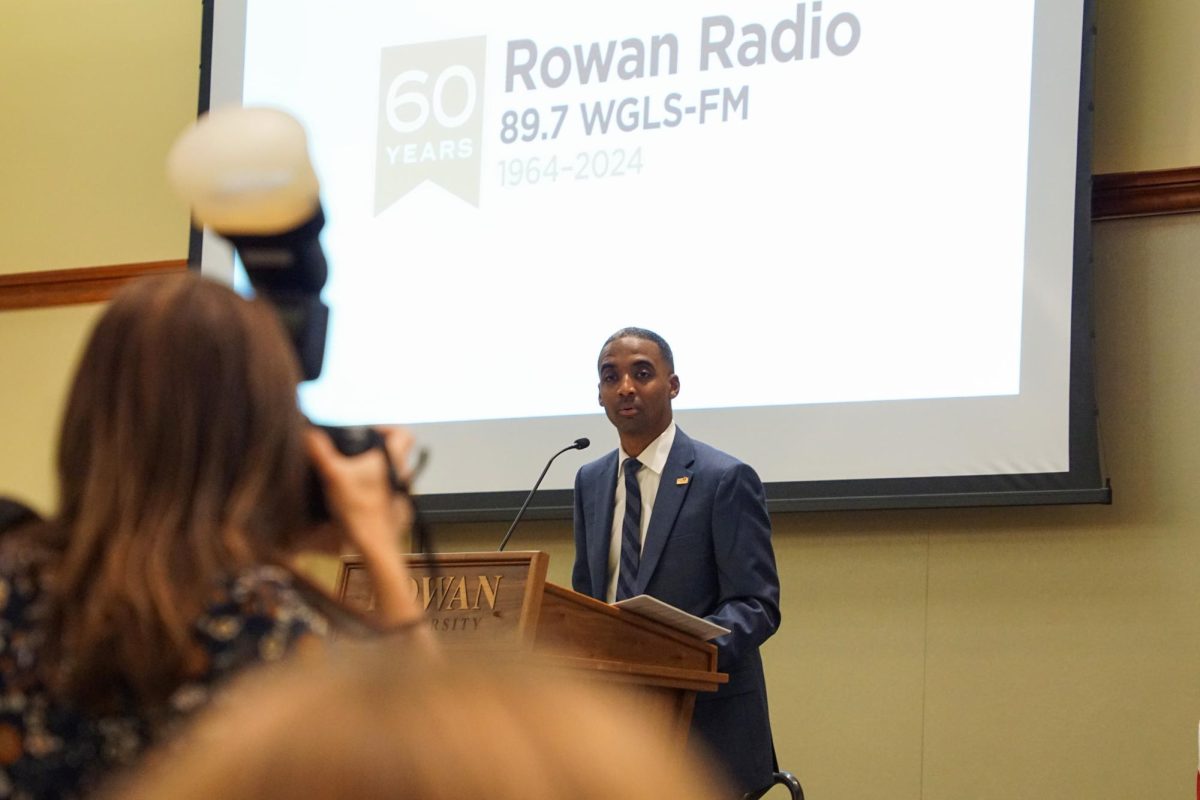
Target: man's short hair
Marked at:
646, 336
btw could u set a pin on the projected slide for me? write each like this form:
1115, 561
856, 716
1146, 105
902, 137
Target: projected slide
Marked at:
834, 210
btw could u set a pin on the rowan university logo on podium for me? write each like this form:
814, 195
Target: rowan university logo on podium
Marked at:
430, 119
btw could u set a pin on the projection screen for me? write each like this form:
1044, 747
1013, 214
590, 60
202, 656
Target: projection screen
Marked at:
863, 226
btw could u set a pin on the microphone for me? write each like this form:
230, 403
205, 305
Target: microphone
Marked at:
578, 444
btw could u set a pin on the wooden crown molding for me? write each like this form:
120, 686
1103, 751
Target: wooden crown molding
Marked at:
1114, 195
1140, 194
61, 287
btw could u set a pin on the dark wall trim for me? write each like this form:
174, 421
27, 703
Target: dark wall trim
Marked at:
1114, 195
1140, 194
62, 287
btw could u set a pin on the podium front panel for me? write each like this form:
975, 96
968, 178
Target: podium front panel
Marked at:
468, 598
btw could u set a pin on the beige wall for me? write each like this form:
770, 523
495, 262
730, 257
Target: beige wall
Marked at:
91, 97
994, 653
38, 350
1147, 85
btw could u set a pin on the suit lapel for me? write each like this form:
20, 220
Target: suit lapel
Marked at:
601, 524
668, 501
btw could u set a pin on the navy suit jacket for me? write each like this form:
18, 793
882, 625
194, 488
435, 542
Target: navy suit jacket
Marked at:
707, 551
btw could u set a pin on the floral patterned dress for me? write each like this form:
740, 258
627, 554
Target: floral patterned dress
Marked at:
50, 751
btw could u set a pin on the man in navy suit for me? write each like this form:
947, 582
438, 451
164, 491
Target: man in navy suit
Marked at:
671, 517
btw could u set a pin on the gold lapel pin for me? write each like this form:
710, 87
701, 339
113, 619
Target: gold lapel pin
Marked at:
681, 481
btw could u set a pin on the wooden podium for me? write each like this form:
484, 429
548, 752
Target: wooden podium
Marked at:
502, 602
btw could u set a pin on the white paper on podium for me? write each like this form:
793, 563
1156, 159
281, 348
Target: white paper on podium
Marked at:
680, 620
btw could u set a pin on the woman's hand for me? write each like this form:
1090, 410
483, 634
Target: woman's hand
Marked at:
374, 517
359, 493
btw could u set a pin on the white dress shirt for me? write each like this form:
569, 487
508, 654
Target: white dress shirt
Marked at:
654, 461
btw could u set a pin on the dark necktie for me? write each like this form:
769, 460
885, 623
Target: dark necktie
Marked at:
631, 531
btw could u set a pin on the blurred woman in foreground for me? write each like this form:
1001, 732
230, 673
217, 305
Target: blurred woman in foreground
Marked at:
183, 468
372, 724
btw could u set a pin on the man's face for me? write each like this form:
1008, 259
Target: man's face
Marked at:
636, 389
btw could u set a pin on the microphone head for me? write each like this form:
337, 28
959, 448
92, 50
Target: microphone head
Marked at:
582, 442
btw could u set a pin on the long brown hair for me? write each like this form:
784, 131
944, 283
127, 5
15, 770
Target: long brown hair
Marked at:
180, 460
